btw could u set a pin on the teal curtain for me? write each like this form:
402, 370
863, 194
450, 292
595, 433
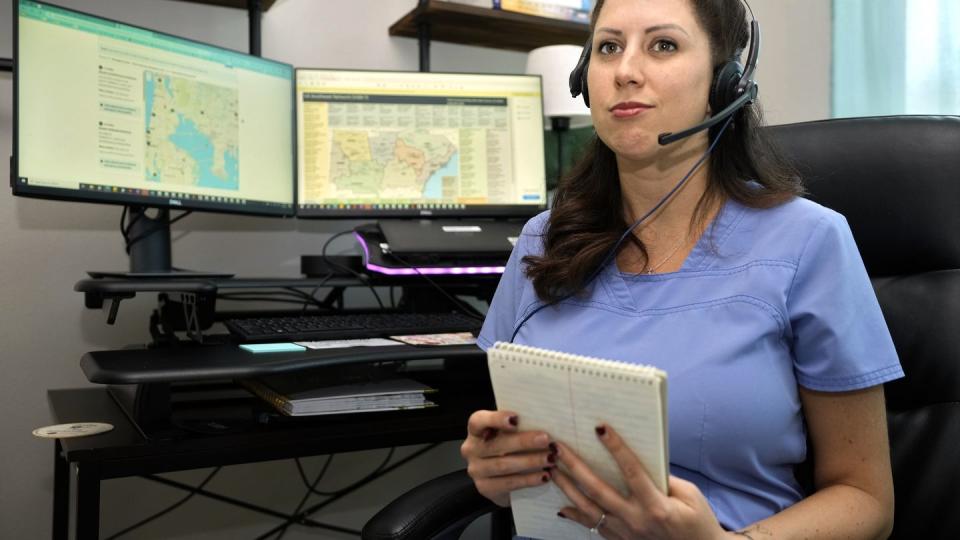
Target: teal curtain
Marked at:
574, 141
896, 57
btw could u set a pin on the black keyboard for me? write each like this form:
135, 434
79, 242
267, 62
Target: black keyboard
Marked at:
348, 326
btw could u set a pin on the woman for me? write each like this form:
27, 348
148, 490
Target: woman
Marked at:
754, 300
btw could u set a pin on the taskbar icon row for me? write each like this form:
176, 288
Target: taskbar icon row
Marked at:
163, 194
384, 206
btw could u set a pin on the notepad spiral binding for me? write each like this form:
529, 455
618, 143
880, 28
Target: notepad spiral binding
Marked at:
589, 365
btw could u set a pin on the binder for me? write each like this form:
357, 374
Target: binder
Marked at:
307, 395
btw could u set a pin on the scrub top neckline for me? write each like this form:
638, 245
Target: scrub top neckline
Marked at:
617, 284
716, 232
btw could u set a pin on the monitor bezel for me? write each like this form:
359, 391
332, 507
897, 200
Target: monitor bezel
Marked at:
257, 208
474, 211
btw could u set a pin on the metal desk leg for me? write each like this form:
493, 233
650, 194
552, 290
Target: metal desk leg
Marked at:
61, 493
88, 502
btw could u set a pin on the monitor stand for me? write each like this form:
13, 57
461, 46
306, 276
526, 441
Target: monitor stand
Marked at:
148, 240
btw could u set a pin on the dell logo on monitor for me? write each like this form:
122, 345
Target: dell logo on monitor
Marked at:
175, 202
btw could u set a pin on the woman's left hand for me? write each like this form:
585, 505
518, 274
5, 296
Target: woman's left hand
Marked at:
645, 512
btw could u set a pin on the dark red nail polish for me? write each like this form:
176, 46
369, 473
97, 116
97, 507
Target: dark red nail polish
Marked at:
513, 420
547, 469
561, 514
601, 430
552, 458
553, 447
545, 478
488, 433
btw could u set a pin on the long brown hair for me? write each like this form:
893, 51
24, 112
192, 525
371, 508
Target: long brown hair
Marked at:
586, 222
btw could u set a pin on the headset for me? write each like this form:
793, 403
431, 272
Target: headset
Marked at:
733, 86
613, 251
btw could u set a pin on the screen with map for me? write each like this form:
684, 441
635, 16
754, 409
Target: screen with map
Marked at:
403, 144
109, 112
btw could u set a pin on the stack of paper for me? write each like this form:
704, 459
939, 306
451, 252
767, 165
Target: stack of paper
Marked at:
336, 393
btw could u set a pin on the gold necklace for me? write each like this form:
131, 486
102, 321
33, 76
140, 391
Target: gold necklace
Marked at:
673, 252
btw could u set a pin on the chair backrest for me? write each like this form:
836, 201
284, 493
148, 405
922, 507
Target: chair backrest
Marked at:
897, 181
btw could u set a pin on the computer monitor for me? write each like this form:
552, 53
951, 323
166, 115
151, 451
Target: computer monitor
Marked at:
385, 144
107, 112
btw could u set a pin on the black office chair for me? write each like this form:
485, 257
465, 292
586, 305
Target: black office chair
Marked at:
897, 181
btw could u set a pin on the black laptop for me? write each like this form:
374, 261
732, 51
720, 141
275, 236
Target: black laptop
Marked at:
453, 237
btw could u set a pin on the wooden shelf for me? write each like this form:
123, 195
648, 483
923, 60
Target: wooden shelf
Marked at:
485, 27
6, 64
239, 4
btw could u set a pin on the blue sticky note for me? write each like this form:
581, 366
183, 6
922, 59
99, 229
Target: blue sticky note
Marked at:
272, 347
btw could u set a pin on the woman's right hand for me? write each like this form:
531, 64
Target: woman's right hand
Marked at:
501, 458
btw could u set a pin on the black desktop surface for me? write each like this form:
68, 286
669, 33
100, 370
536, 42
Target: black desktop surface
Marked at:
212, 362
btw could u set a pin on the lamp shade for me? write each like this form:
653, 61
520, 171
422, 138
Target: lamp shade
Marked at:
554, 63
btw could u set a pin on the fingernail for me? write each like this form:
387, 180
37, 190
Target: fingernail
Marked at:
553, 448
488, 433
561, 514
552, 458
547, 469
601, 431
545, 478
513, 420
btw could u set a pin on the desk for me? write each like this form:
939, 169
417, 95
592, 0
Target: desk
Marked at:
155, 432
126, 452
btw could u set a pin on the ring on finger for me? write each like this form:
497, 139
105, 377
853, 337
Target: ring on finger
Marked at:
596, 528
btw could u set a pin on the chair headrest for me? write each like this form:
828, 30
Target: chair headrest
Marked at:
896, 179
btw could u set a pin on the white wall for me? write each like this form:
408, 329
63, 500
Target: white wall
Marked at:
46, 246
795, 59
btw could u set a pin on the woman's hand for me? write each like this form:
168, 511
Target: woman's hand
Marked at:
500, 458
645, 512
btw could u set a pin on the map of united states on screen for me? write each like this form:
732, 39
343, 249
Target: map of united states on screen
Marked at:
403, 164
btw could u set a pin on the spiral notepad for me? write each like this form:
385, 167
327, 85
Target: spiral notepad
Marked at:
567, 396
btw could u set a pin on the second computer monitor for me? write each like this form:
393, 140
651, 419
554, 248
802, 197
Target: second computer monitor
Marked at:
404, 144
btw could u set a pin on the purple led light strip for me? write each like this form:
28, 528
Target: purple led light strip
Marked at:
428, 270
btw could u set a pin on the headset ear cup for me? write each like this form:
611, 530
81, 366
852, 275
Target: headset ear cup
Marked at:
723, 92
578, 77
583, 86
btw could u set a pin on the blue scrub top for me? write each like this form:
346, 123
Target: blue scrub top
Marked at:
767, 300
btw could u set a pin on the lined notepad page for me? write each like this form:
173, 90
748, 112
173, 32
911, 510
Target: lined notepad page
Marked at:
568, 396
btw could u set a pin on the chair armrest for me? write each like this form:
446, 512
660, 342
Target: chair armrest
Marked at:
440, 508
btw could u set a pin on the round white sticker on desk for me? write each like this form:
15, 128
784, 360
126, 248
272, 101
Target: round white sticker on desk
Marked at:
78, 429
